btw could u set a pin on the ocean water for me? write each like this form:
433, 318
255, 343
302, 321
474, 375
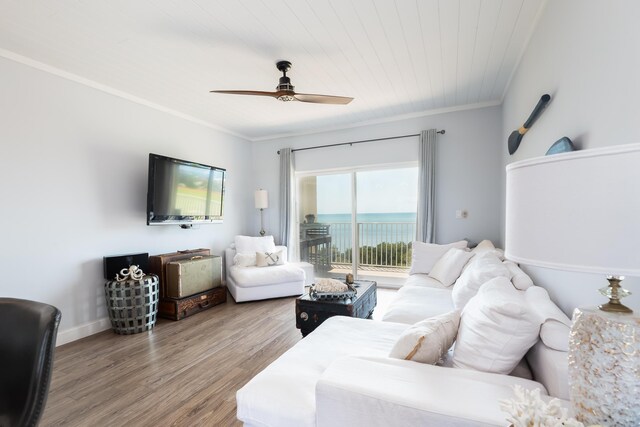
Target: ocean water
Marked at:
374, 228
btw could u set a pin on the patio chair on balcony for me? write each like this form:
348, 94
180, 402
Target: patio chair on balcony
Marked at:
315, 246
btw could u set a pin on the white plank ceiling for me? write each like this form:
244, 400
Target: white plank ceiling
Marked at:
396, 58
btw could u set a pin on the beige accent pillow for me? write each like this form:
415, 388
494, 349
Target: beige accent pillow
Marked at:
268, 259
449, 266
428, 340
425, 255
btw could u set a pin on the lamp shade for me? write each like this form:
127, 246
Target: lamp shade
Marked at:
577, 211
261, 198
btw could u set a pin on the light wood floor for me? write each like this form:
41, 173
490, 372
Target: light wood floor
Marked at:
182, 373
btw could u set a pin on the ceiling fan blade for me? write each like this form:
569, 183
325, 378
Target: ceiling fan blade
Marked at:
247, 92
322, 99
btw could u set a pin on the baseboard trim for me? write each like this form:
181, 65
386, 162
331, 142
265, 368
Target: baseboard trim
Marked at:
82, 331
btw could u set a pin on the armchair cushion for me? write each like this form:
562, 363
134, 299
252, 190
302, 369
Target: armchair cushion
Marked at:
251, 245
256, 276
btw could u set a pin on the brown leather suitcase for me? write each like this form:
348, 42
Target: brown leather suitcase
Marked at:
157, 264
188, 277
177, 309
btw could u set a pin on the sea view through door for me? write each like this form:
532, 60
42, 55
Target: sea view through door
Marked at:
360, 222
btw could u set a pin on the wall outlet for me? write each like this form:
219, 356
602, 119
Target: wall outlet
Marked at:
461, 213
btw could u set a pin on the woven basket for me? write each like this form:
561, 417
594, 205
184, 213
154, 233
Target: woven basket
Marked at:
132, 304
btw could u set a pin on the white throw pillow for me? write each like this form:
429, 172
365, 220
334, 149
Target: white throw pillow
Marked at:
497, 328
268, 259
425, 255
482, 269
244, 260
448, 268
428, 340
251, 245
519, 278
486, 246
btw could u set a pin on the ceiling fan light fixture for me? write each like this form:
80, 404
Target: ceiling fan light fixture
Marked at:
286, 98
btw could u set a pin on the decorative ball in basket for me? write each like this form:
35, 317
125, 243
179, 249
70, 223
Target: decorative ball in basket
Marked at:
132, 301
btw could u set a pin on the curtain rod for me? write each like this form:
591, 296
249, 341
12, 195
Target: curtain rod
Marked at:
441, 132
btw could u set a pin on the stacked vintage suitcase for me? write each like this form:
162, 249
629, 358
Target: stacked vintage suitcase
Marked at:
190, 281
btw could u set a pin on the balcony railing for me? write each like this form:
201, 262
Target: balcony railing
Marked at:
382, 246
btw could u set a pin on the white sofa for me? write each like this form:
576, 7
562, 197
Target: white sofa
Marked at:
342, 375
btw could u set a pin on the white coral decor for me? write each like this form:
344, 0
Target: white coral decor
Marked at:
529, 410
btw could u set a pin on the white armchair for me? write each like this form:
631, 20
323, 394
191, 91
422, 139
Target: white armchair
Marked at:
249, 283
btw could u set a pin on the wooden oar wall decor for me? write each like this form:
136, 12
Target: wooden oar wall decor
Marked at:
516, 135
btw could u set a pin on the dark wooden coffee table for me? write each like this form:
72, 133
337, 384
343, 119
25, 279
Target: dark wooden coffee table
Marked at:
311, 312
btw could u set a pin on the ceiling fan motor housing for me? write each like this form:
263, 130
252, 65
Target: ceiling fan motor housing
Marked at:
286, 86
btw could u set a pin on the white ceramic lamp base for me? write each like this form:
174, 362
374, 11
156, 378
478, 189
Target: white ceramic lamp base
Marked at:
604, 367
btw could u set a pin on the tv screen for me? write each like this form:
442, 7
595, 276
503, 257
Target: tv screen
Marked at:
182, 192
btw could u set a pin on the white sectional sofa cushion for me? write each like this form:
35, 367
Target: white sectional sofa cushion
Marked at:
423, 280
284, 394
382, 392
554, 332
415, 303
519, 278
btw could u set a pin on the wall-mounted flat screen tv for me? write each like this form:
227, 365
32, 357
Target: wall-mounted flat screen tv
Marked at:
182, 192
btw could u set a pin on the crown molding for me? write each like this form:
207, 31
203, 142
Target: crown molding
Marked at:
7, 54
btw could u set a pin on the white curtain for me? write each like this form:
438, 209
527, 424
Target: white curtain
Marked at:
287, 205
425, 227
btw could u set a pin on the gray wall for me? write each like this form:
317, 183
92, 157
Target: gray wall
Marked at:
585, 55
468, 166
73, 186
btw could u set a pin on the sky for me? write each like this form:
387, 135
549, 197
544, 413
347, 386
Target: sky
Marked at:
381, 191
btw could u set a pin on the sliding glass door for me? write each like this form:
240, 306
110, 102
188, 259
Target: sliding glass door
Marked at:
359, 221
325, 221
386, 205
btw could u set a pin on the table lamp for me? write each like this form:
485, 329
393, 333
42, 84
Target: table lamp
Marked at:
580, 212
261, 199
